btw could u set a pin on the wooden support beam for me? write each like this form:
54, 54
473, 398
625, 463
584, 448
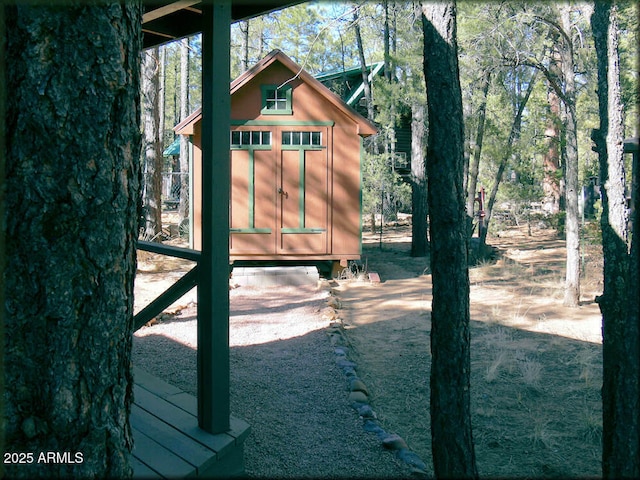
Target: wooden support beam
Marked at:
167, 10
213, 289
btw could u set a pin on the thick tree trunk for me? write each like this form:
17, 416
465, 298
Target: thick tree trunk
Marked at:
2, 230
452, 440
72, 210
618, 304
419, 244
152, 159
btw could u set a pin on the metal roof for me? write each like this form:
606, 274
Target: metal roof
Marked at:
167, 20
173, 149
354, 94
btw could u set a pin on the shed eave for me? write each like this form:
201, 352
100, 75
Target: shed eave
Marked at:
186, 126
364, 126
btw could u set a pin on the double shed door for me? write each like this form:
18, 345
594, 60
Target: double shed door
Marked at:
279, 190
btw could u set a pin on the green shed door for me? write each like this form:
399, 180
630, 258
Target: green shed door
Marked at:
303, 191
253, 195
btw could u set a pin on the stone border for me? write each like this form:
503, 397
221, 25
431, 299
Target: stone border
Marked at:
359, 397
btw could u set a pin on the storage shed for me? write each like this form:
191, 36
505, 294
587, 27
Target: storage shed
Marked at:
296, 152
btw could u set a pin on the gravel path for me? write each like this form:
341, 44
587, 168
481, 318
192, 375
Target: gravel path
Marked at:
285, 381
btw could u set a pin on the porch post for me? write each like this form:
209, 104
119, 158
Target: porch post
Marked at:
213, 288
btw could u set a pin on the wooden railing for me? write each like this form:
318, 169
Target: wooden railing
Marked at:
175, 291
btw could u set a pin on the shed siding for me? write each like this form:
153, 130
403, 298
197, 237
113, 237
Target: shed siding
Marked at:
295, 201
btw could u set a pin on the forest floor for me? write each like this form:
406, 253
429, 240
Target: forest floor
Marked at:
535, 364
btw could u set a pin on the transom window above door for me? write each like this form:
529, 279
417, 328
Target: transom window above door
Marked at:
276, 101
302, 138
240, 139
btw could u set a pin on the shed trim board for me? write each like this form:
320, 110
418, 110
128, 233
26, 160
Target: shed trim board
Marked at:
285, 123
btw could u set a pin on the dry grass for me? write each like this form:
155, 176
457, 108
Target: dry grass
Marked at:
535, 365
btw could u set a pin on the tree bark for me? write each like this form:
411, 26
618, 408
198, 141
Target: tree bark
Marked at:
386, 41
2, 230
162, 51
474, 165
183, 205
72, 210
551, 160
619, 302
572, 222
363, 66
452, 440
244, 45
153, 159
419, 243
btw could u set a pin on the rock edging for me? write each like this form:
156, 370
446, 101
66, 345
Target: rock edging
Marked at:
359, 397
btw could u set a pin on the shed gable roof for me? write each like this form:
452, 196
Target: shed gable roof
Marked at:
364, 126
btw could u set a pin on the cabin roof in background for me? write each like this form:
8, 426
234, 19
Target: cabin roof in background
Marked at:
352, 78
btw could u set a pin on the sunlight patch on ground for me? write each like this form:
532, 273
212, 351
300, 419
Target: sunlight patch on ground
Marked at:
242, 331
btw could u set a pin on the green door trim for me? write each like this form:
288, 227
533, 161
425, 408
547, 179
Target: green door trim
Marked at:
251, 200
301, 186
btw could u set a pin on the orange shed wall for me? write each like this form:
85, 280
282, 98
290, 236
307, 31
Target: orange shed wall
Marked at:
346, 197
344, 156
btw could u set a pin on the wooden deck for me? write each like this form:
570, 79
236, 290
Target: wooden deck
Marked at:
168, 441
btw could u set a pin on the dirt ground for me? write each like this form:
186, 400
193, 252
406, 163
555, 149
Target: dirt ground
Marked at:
536, 365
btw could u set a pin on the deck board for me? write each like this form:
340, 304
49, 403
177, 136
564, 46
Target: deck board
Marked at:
168, 441
141, 470
150, 426
160, 458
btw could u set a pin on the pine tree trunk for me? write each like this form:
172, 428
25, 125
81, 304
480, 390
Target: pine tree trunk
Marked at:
363, 66
419, 244
572, 223
161, 94
619, 302
183, 206
385, 40
152, 145
452, 440
477, 148
244, 46
551, 159
72, 183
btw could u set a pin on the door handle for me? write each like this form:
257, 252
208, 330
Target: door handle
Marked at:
282, 192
